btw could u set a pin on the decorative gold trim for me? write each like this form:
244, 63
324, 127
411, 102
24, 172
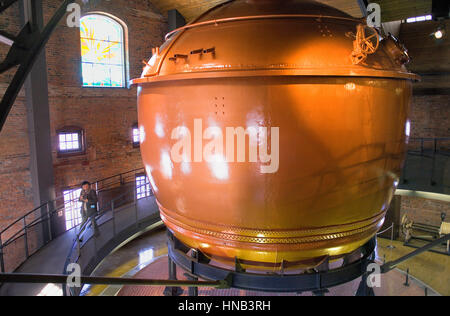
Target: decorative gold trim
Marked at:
271, 236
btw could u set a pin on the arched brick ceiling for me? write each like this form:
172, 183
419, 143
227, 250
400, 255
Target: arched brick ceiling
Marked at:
392, 10
190, 9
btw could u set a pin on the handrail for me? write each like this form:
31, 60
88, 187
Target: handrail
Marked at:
436, 151
119, 174
21, 218
430, 138
33, 223
138, 169
134, 171
82, 231
100, 214
424, 140
22, 231
53, 207
388, 266
61, 197
93, 280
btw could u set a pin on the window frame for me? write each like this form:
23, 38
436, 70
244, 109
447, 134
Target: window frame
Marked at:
75, 208
138, 144
147, 183
423, 18
126, 64
81, 137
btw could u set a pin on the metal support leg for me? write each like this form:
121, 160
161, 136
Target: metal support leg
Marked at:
407, 278
2, 262
433, 168
364, 289
391, 245
320, 292
49, 222
172, 290
25, 229
403, 177
192, 291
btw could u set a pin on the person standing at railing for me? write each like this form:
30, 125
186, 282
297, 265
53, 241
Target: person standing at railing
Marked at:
89, 200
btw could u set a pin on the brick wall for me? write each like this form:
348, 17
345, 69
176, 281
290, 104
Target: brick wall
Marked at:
430, 116
424, 211
15, 179
106, 115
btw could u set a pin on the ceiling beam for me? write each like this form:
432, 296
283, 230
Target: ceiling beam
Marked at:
191, 9
5, 4
363, 6
6, 38
394, 10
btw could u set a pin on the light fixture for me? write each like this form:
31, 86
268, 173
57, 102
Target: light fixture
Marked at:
439, 33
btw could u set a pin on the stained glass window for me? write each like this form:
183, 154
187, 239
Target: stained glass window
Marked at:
102, 51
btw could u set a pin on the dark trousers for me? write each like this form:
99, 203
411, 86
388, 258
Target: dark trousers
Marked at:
86, 215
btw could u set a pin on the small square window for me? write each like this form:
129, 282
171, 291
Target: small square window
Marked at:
143, 188
70, 141
66, 142
419, 18
136, 136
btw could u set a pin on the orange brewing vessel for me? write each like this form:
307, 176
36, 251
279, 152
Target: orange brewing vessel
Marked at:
333, 97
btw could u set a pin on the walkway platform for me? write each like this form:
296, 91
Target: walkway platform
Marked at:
115, 229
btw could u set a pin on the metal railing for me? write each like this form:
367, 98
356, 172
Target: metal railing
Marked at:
427, 164
114, 227
23, 237
429, 146
35, 229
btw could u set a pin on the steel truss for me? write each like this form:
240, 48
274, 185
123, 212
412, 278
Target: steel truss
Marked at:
25, 48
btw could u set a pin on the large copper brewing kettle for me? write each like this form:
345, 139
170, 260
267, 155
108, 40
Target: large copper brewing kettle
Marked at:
340, 99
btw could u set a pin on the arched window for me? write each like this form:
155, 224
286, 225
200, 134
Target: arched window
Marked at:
102, 51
